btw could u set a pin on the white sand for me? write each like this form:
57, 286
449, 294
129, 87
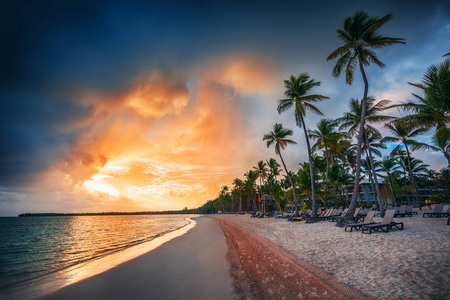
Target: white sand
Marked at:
409, 264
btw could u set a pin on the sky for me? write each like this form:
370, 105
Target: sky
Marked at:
154, 105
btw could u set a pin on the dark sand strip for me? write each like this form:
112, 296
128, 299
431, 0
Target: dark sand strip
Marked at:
192, 266
263, 270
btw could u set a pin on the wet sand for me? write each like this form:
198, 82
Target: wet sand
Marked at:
192, 266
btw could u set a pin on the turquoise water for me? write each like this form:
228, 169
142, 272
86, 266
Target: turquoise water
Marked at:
34, 248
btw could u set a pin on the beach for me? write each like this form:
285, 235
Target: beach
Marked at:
408, 264
238, 257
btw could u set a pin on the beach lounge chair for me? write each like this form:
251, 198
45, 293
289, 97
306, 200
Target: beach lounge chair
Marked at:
386, 224
327, 214
334, 213
402, 212
256, 215
410, 209
367, 220
355, 215
446, 211
342, 213
437, 211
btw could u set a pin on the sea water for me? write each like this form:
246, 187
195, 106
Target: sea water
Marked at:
41, 254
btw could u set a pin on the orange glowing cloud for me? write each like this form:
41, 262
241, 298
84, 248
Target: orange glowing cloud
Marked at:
160, 145
158, 95
248, 74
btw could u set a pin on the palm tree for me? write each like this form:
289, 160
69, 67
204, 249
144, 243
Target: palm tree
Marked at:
274, 166
388, 165
440, 142
274, 171
352, 120
339, 178
404, 134
279, 137
303, 180
238, 186
298, 96
223, 196
261, 169
249, 183
359, 37
432, 110
326, 137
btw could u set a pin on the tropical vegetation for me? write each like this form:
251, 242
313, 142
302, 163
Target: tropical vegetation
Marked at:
360, 148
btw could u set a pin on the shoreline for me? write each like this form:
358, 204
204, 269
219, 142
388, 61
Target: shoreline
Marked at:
190, 266
53, 282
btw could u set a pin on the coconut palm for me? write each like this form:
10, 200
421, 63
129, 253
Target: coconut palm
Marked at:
279, 137
440, 142
297, 91
404, 135
388, 165
339, 179
303, 180
274, 171
274, 168
250, 179
239, 186
326, 137
432, 110
359, 37
261, 169
352, 120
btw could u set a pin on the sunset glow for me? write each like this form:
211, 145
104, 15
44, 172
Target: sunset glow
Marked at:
104, 112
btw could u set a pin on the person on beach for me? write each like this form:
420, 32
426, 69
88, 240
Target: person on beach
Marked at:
428, 203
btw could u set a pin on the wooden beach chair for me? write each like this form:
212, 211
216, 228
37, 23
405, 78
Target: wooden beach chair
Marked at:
437, 211
386, 224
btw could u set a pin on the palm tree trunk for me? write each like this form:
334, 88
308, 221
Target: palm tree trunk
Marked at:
392, 189
411, 174
260, 191
352, 208
448, 158
369, 172
346, 193
293, 187
240, 203
311, 170
328, 167
377, 186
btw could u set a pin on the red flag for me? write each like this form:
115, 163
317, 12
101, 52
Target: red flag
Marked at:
259, 198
